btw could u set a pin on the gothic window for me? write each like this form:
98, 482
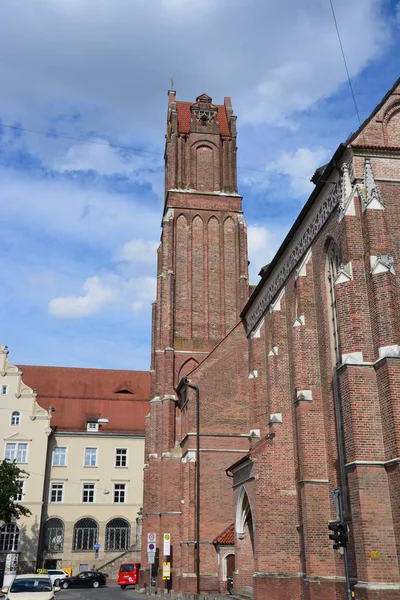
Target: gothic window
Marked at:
53, 535
86, 534
332, 266
117, 535
9, 538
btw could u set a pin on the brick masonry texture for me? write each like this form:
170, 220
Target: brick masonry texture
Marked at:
295, 404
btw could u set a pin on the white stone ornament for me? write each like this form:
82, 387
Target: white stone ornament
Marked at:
301, 271
373, 199
300, 320
382, 263
344, 274
273, 351
304, 396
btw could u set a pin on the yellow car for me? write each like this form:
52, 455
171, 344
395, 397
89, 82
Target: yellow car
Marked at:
31, 587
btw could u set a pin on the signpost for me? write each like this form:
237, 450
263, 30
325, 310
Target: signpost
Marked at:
96, 548
166, 570
151, 552
167, 544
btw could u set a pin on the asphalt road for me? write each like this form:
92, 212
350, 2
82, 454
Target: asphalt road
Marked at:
111, 592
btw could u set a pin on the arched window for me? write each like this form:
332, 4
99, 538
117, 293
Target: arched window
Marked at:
117, 535
86, 534
332, 266
9, 538
53, 535
15, 418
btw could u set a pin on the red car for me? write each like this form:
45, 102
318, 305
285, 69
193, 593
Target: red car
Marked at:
128, 574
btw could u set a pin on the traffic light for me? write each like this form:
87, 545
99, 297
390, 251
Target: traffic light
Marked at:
339, 535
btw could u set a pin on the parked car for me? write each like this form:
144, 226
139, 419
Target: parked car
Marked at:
31, 587
128, 574
56, 575
84, 579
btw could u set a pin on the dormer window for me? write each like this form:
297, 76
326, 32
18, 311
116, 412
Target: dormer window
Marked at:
92, 426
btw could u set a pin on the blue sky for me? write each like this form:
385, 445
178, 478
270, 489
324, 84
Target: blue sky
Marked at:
79, 222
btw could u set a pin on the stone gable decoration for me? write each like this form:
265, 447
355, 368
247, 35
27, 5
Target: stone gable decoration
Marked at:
304, 242
372, 199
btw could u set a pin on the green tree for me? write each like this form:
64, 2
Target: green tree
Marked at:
10, 474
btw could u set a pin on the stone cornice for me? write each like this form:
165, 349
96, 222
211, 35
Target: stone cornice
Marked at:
294, 253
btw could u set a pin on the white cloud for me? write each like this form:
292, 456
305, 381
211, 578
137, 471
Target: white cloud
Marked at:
101, 157
108, 60
71, 210
263, 244
102, 291
96, 295
299, 166
138, 251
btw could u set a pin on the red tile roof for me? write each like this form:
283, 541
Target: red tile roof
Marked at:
184, 117
81, 394
227, 537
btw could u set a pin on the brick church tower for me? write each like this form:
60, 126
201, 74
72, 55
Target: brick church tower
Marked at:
202, 284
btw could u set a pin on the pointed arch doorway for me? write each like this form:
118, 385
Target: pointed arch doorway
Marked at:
244, 529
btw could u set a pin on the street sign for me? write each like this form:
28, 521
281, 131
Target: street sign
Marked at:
151, 537
167, 544
166, 570
96, 546
151, 558
151, 547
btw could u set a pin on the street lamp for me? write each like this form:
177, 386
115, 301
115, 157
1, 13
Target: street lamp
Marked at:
181, 391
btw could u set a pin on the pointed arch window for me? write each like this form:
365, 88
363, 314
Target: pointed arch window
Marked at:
15, 418
332, 267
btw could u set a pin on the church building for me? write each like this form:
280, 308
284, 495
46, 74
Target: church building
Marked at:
267, 401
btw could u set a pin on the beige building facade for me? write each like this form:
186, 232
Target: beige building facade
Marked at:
79, 435
24, 432
93, 495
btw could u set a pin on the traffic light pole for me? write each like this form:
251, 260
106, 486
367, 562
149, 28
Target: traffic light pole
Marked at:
339, 505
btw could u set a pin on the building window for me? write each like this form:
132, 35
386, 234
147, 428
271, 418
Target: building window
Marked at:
92, 426
9, 538
11, 450
20, 483
4, 390
88, 493
332, 271
117, 535
53, 535
121, 457
18, 452
90, 457
22, 453
86, 535
119, 493
60, 456
57, 492
15, 418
